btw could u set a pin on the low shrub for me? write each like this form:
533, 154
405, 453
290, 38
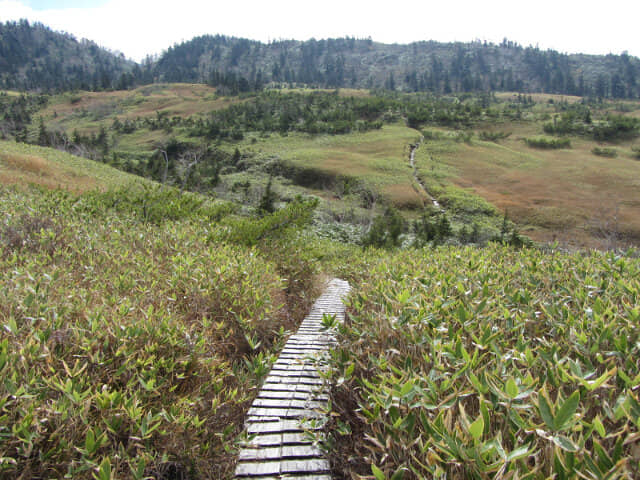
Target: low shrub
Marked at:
385, 230
605, 152
493, 136
156, 204
547, 142
137, 347
488, 363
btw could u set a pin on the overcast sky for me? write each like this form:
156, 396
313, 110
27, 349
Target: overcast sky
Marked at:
141, 27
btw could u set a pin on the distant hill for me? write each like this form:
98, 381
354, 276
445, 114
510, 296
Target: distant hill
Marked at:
33, 57
421, 66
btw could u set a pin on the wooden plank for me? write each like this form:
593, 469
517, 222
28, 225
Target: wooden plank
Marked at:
253, 469
290, 412
280, 453
275, 439
281, 426
290, 402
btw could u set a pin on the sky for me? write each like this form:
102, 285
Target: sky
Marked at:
147, 27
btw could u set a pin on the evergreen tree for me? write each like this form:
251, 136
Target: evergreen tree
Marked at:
268, 201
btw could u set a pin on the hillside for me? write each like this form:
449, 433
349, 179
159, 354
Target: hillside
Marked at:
422, 66
22, 164
33, 57
350, 149
132, 344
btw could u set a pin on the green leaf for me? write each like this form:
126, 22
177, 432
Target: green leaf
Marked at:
349, 371
104, 471
512, 388
599, 427
377, 472
519, 452
597, 383
477, 428
406, 388
567, 411
399, 473
565, 443
545, 409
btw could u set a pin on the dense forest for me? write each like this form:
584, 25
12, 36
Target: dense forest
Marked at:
422, 66
33, 57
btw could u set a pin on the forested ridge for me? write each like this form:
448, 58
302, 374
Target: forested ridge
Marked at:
33, 57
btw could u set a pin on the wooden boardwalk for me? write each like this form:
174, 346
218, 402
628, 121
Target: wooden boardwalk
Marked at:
291, 402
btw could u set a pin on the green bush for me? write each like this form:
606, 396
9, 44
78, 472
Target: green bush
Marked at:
605, 152
616, 127
489, 363
249, 231
127, 346
458, 200
493, 136
548, 143
385, 230
156, 204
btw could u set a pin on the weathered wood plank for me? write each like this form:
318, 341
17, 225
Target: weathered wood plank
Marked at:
291, 401
249, 469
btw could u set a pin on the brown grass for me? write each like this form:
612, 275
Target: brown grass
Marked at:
539, 97
146, 101
28, 169
568, 195
22, 164
404, 197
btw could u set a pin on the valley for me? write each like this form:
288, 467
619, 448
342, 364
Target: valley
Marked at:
570, 195
166, 227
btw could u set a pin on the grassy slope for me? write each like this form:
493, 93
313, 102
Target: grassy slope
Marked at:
569, 194
378, 158
88, 111
22, 164
172, 99
127, 347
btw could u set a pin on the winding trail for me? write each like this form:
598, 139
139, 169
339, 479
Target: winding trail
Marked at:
412, 162
292, 402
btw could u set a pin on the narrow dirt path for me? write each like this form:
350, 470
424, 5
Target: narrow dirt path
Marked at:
291, 402
412, 162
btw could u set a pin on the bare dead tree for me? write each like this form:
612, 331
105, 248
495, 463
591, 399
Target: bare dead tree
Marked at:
166, 166
186, 162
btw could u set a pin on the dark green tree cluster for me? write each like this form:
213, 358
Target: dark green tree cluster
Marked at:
231, 83
385, 230
430, 109
190, 166
16, 114
33, 57
97, 143
432, 228
274, 111
578, 121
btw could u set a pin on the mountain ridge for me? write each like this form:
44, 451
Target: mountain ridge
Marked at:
48, 60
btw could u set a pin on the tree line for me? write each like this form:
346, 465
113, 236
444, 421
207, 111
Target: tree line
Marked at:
33, 57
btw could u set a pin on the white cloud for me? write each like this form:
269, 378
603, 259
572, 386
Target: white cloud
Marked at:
140, 27
13, 10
